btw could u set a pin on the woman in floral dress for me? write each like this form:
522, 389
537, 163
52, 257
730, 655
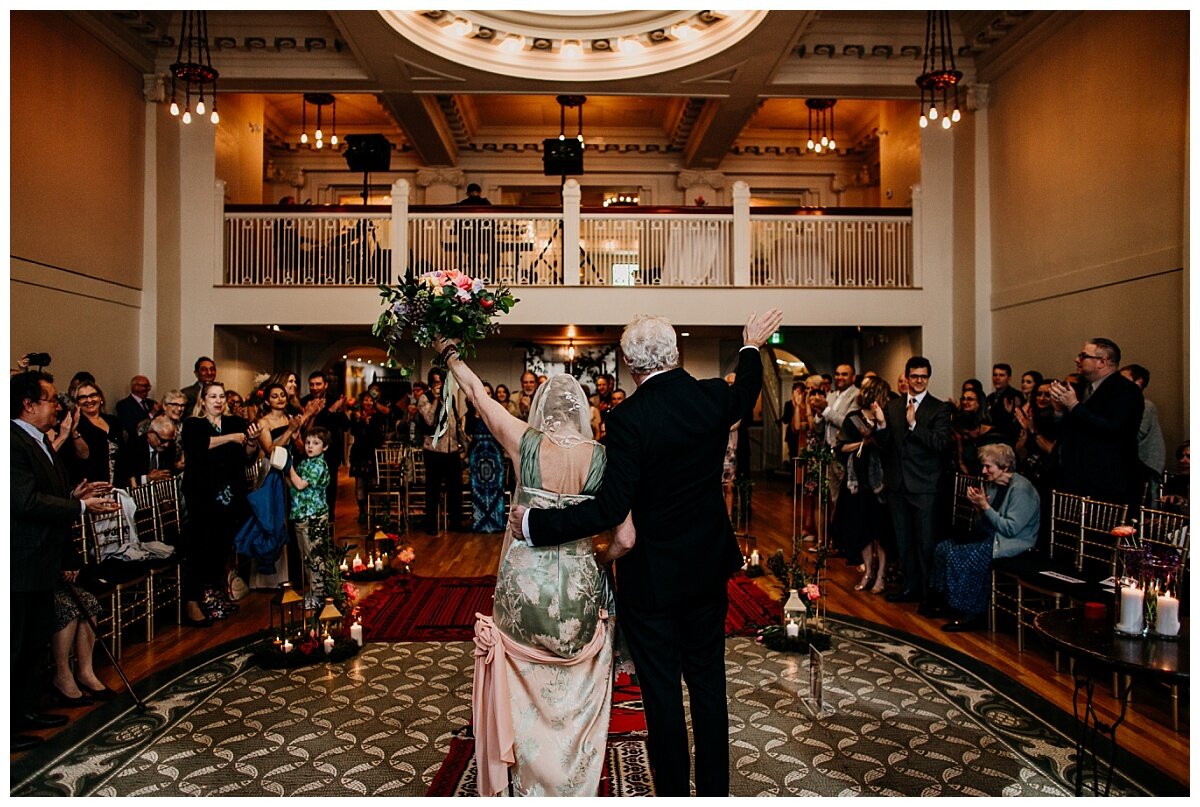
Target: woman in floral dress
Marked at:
543, 667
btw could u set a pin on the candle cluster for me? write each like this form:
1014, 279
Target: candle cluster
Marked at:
374, 562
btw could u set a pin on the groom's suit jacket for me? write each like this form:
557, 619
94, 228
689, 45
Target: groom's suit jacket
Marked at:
666, 443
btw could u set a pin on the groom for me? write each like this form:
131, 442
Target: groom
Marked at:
666, 444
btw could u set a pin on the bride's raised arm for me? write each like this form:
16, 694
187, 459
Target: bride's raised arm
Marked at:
503, 426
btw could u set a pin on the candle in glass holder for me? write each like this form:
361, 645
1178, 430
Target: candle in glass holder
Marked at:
379, 565
792, 629
1167, 622
356, 633
1131, 620
328, 644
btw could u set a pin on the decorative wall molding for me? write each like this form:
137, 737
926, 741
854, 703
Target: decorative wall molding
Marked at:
153, 88
689, 179
441, 176
978, 96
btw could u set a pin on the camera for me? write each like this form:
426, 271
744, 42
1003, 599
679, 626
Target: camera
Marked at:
40, 359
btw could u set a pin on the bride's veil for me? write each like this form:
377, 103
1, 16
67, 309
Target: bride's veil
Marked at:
560, 411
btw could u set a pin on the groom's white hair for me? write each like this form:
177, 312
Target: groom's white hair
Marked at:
648, 343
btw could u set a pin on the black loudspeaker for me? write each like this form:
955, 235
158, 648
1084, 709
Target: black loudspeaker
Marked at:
562, 158
368, 153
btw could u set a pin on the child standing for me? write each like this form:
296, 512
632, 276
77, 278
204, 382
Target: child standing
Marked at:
310, 509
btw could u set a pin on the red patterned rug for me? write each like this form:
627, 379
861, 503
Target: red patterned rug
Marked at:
626, 764
412, 608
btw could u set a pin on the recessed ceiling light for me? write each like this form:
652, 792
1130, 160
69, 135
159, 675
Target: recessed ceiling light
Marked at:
684, 333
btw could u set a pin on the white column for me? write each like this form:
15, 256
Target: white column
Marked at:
984, 356
400, 193
937, 256
198, 221
570, 232
741, 235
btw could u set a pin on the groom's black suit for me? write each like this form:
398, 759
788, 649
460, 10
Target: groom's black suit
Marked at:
666, 444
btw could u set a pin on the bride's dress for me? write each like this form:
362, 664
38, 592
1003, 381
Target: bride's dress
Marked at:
543, 688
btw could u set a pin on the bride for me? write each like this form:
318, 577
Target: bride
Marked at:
543, 660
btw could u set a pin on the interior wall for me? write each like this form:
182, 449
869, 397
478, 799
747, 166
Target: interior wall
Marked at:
240, 147
1087, 231
899, 152
964, 321
76, 193
240, 356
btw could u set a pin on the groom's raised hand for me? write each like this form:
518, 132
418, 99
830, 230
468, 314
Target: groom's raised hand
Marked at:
759, 328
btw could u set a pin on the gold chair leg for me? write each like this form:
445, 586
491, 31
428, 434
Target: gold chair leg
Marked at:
149, 609
1020, 619
1175, 706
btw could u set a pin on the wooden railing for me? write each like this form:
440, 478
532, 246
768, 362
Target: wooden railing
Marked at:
736, 246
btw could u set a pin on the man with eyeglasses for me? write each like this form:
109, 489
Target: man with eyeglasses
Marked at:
151, 457
43, 508
138, 406
1097, 446
913, 435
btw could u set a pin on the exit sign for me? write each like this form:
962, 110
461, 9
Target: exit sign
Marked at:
777, 338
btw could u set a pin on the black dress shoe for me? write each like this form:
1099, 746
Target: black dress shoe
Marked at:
41, 720
964, 625
102, 694
196, 623
932, 609
906, 595
66, 700
23, 742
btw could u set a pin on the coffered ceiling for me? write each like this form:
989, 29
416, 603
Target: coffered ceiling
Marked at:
695, 83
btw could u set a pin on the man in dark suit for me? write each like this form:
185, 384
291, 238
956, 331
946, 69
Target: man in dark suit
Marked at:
1097, 444
332, 417
152, 456
43, 507
913, 435
205, 370
666, 445
139, 406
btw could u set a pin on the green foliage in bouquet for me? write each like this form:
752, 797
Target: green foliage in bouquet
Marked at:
447, 303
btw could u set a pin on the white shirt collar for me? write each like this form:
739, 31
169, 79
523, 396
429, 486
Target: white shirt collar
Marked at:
918, 398
33, 432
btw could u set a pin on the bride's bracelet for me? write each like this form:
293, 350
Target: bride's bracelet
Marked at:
446, 353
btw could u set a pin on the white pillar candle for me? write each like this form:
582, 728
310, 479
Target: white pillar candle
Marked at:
287, 646
344, 567
328, 645
379, 565
754, 557
792, 629
356, 633
1132, 620
1167, 623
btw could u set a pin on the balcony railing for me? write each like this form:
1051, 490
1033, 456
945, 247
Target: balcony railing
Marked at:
736, 246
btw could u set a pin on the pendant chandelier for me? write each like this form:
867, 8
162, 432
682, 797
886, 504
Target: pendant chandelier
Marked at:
564, 101
320, 100
196, 71
820, 137
939, 78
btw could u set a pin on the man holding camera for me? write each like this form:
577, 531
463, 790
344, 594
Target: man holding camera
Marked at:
43, 508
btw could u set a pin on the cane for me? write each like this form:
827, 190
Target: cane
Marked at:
91, 620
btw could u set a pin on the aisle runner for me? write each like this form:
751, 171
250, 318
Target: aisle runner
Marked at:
626, 765
442, 609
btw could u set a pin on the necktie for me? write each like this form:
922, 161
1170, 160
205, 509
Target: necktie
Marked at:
1087, 393
145, 405
912, 408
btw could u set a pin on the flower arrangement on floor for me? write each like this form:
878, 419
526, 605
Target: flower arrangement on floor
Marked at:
378, 565
443, 303
802, 626
312, 647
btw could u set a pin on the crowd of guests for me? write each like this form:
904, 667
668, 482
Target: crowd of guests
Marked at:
894, 453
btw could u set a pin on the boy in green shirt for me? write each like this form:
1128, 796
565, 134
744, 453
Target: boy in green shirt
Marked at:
310, 508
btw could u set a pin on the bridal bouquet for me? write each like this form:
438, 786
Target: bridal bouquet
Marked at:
447, 303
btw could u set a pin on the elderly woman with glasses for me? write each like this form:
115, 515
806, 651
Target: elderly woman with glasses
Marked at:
1005, 525
94, 445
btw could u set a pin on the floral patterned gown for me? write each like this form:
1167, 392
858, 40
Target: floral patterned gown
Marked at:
551, 599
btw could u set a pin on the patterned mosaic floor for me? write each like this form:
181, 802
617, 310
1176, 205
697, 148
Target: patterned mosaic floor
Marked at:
905, 721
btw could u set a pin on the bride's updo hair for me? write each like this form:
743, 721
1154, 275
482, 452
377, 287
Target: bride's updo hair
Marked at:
561, 411
649, 345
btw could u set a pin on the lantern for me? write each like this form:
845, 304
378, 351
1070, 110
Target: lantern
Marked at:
794, 612
288, 608
330, 617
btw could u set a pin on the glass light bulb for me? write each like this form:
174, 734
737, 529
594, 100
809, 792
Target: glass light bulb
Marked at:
817, 148
945, 123
956, 116
562, 137
809, 144
333, 140
832, 145
304, 137
579, 138
572, 50
187, 116
933, 113
320, 144
924, 121
215, 118
513, 43
319, 135
175, 109
200, 107
824, 140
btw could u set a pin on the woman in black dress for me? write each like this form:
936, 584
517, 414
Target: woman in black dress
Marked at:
218, 448
368, 428
95, 443
861, 526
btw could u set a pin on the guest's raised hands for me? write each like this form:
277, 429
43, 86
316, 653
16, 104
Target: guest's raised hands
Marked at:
759, 328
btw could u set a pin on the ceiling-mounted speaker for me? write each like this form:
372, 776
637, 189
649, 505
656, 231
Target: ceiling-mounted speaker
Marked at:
368, 153
562, 158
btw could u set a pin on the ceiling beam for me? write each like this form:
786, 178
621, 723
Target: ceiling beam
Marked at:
424, 125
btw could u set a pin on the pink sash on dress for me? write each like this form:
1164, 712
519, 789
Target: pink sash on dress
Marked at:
494, 739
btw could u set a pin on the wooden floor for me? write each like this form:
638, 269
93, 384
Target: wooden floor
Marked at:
1146, 732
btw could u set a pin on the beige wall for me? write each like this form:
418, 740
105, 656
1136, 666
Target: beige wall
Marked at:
899, 152
78, 133
76, 217
240, 148
964, 320
1088, 178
